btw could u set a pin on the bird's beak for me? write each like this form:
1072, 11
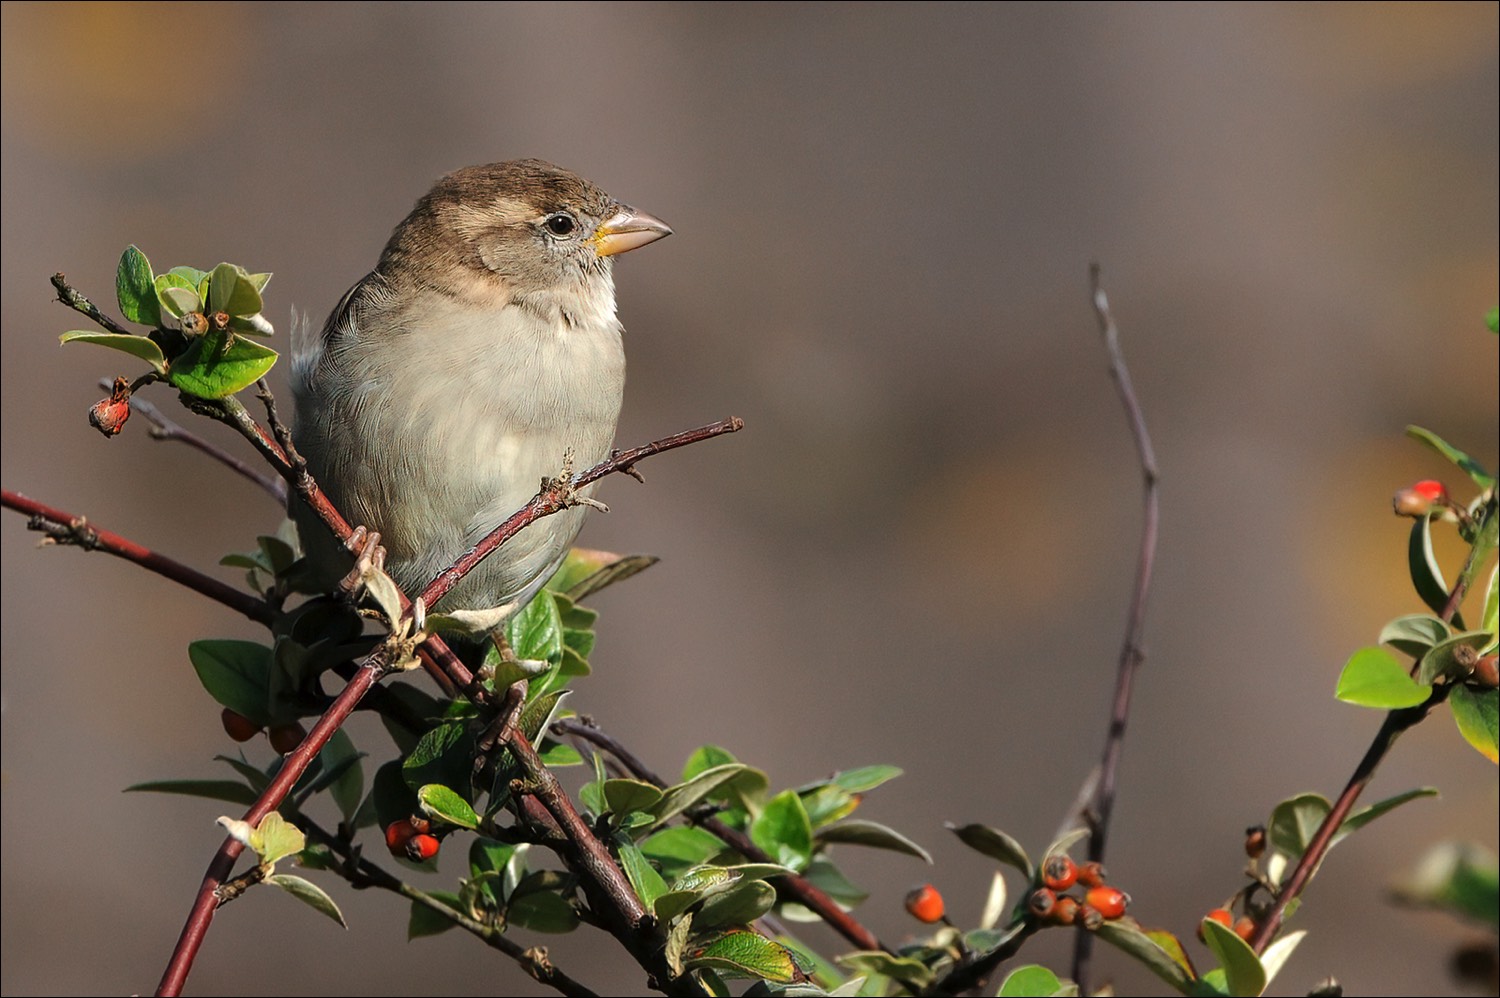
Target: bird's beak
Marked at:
628, 229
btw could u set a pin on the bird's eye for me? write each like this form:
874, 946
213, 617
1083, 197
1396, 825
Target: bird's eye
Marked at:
560, 223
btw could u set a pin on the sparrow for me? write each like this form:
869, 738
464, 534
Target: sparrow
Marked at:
481, 354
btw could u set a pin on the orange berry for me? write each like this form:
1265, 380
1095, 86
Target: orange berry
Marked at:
1418, 498
286, 737
422, 848
1065, 912
1059, 873
925, 904
238, 726
1091, 875
1109, 901
1486, 672
1245, 928
397, 835
1221, 915
1040, 902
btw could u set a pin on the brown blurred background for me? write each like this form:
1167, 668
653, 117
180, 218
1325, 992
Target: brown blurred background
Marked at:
920, 549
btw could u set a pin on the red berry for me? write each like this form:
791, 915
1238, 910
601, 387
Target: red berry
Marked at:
1221, 915
1418, 498
1486, 672
1109, 901
108, 415
1040, 902
925, 904
1430, 489
1065, 912
1245, 928
397, 835
422, 848
286, 737
1091, 875
238, 726
1059, 873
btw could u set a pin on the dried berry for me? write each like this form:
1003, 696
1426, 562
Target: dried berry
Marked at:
1040, 902
1091, 875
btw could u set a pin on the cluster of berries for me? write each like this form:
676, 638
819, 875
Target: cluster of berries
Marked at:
1050, 905
283, 737
412, 838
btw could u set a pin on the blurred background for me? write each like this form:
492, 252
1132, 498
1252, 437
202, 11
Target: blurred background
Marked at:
920, 550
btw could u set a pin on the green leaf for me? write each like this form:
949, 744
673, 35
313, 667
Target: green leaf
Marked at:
1166, 963
231, 291
1278, 953
141, 347
1243, 973
558, 754
1426, 576
741, 953
225, 790
903, 968
542, 911
210, 370
827, 804
1490, 616
995, 844
346, 776
679, 798
236, 674
625, 796
1460, 877
190, 277
536, 631
870, 833
1414, 633
135, 288
424, 921
1492, 319
1471, 467
1373, 678
865, 778
643, 877
309, 894
176, 297
677, 849
1447, 663
1365, 815
444, 755
1294, 821
783, 830
740, 905
1477, 714
276, 838
442, 803
586, 572
1032, 981
704, 758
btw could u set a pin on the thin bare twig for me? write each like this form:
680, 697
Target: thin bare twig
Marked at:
164, 428
65, 528
74, 299
1132, 654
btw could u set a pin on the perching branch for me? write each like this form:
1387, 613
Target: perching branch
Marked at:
550, 499
1101, 802
65, 528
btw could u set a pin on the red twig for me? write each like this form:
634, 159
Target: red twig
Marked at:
1102, 801
65, 528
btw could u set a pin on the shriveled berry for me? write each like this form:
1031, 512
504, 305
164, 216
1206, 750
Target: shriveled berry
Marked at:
1109, 901
925, 904
1255, 841
1040, 902
422, 848
1221, 915
1059, 873
1065, 912
397, 835
108, 415
1091, 875
1089, 917
286, 737
420, 823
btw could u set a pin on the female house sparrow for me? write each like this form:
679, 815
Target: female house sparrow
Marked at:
450, 381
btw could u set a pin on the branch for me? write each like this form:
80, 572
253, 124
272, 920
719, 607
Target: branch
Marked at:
550, 499
163, 428
795, 886
1394, 724
65, 528
74, 299
1132, 655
